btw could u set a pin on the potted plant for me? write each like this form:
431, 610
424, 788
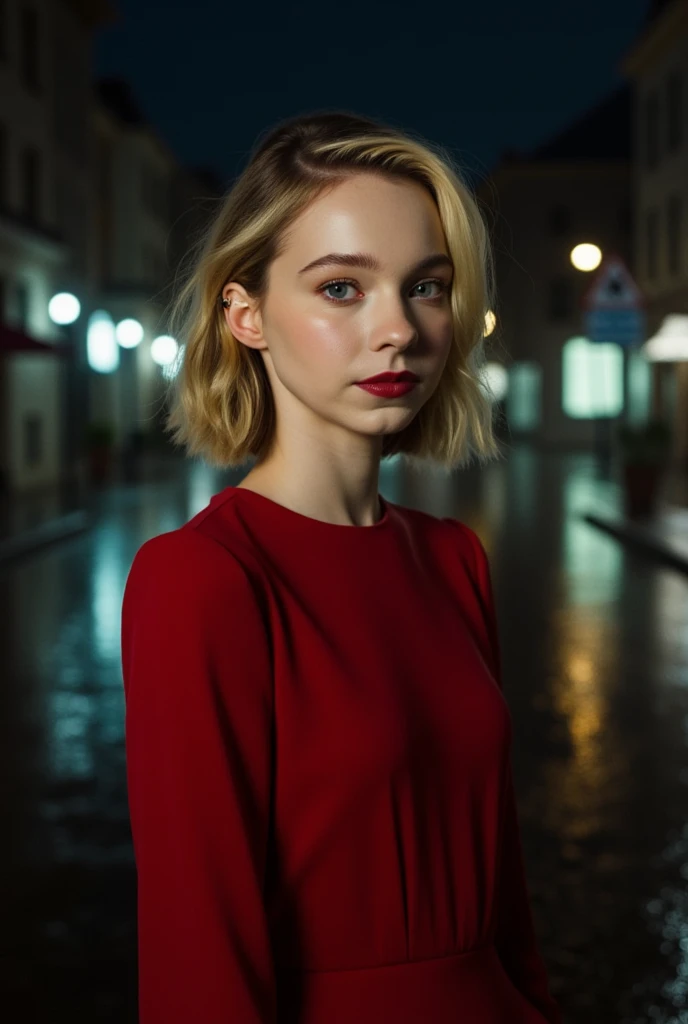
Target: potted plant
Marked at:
645, 451
99, 443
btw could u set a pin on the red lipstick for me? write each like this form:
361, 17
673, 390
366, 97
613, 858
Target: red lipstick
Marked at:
388, 384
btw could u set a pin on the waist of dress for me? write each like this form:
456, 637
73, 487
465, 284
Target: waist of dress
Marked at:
463, 988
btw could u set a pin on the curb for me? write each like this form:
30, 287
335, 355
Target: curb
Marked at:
38, 537
640, 540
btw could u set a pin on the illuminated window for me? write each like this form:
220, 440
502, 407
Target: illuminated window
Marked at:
593, 379
523, 396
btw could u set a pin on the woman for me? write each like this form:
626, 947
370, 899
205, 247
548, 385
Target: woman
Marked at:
318, 748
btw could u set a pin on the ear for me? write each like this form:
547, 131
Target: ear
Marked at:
242, 316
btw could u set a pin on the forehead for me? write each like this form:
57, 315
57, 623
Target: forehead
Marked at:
397, 220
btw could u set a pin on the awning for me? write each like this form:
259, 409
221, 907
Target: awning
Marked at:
12, 340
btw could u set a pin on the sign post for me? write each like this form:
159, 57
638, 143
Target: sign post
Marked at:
614, 313
614, 306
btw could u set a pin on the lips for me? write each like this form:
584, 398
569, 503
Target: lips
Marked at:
390, 378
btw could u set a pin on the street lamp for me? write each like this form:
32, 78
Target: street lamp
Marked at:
129, 333
64, 308
490, 323
101, 345
586, 257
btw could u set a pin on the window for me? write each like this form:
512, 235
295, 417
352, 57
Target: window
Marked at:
560, 299
674, 211
29, 48
524, 396
652, 243
592, 379
560, 220
31, 183
674, 112
652, 130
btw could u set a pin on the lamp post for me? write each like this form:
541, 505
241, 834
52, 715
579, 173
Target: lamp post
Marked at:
64, 310
587, 257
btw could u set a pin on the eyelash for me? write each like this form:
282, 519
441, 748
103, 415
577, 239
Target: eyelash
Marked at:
444, 288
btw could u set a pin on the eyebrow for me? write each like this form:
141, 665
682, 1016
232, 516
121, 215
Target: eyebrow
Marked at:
368, 262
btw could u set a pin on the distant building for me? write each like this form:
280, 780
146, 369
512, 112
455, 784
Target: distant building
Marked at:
141, 192
147, 210
92, 202
657, 66
540, 204
45, 190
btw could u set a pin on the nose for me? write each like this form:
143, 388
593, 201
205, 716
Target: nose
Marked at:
394, 325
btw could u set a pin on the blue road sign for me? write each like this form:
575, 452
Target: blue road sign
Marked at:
622, 326
614, 306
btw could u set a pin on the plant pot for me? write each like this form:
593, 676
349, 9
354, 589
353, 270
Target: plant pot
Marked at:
641, 481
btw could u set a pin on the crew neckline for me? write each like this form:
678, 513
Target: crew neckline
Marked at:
269, 504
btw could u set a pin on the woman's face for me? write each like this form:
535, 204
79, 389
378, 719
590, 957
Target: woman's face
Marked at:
319, 338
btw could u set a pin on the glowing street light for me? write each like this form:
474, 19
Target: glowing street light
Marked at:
170, 370
129, 333
101, 345
490, 323
64, 308
164, 350
586, 257
496, 378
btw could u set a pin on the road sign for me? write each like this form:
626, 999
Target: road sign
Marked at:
613, 306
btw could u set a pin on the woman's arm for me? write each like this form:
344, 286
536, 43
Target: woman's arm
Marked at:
515, 939
199, 704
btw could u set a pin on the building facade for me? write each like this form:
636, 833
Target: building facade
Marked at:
148, 209
91, 200
657, 67
45, 187
574, 190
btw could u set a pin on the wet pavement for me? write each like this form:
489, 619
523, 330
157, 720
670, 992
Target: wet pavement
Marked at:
595, 650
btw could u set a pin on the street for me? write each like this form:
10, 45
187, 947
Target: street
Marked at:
595, 654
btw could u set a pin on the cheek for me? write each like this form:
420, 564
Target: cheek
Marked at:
323, 343
441, 339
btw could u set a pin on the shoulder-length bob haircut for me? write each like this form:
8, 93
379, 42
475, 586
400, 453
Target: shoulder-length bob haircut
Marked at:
221, 406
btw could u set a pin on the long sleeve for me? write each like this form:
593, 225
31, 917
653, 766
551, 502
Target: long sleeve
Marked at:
199, 705
515, 939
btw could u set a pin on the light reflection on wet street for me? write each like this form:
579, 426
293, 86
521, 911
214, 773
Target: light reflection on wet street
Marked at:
595, 652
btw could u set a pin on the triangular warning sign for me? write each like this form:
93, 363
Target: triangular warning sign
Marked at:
613, 287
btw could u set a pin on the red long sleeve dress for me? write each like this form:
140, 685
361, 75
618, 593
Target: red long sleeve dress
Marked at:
319, 775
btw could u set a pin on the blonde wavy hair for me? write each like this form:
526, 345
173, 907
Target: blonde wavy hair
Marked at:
222, 407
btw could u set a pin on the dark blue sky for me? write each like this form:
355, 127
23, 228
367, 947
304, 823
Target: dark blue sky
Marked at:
478, 79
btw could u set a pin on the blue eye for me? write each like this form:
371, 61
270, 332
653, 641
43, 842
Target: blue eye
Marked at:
442, 285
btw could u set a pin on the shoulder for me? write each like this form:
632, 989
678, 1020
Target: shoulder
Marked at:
474, 556
469, 542
187, 564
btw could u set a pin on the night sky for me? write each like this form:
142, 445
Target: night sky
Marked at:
478, 79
